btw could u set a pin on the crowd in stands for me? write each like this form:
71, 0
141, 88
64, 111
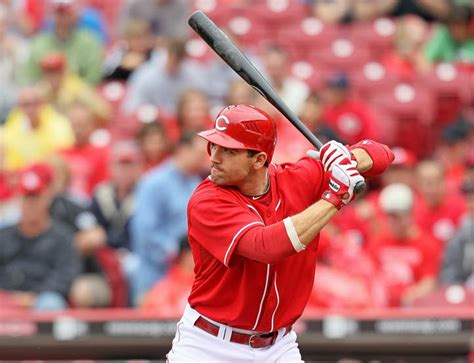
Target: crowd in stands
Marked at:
100, 102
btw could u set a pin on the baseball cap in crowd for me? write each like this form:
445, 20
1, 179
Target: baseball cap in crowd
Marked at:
62, 5
403, 157
126, 151
53, 62
35, 178
338, 80
470, 160
396, 198
467, 186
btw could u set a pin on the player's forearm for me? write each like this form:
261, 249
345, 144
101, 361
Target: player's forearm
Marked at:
309, 223
364, 161
373, 158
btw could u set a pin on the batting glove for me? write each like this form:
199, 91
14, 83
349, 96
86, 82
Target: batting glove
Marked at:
330, 154
343, 178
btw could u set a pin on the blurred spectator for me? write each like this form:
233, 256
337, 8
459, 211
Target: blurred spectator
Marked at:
113, 202
351, 118
133, 49
37, 259
62, 88
160, 215
438, 211
87, 162
291, 90
13, 53
154, 144
34, 130
82, 49
458, 258
452, 40
9, 206
407, 257
168, 18
428, 10
169, 296
90, 289
402, 169
406, 58
240, 92
88, 19
193, 111
162, 79
332, 11
451, 152
312, 116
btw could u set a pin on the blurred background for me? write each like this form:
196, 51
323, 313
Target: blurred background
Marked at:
99, 104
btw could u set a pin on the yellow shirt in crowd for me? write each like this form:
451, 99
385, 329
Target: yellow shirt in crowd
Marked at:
25, 145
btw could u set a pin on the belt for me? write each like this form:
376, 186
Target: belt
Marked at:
252, 340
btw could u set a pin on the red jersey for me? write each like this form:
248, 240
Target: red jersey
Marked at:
88, 166
352, 121
241, 292
403, 263
443, 221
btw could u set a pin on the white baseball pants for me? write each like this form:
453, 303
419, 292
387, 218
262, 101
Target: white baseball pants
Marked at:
192, 344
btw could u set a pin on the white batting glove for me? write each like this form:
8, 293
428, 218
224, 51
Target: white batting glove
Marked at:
330, 154
344, 177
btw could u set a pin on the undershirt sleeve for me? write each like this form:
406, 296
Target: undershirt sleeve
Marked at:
380, 154
268, 244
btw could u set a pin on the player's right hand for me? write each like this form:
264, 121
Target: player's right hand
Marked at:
330, 154
343, 179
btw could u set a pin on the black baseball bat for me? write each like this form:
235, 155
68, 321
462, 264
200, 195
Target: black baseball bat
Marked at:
236, 59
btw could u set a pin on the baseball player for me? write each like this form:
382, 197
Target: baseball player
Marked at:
253, 229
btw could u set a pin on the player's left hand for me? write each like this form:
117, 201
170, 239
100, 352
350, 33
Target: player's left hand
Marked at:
343, 179
330, 154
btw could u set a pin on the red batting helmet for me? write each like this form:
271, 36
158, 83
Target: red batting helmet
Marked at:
243, 127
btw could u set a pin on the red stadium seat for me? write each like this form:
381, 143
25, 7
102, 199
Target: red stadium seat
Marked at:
453, 88
409, 108
372, 79
308, 35
313, 75
377, 35
108, 260
280, 13
341, 54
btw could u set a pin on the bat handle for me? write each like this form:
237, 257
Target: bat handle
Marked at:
359, 187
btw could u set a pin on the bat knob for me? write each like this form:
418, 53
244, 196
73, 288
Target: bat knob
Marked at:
360, 187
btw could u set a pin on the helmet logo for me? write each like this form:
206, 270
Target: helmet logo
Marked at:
221, 123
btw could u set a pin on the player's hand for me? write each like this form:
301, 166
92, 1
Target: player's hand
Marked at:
343, 179
330, 154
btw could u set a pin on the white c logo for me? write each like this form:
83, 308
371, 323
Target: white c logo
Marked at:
221, 126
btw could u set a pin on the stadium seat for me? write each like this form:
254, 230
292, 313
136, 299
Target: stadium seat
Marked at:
109, 261
308, 35
377, 35
453, 88
409, 109
314, 76
341, 54
372, 79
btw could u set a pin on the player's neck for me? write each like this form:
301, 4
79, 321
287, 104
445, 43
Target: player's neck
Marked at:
257, 186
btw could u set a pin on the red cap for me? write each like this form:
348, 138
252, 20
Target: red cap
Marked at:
53, 61
126, 151
62, 5
470, 159
403, 157
35, 178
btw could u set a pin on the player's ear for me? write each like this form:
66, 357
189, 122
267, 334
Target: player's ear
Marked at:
260, 160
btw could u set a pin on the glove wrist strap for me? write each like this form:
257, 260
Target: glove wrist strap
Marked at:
333, 199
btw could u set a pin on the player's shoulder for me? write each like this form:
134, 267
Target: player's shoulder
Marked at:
302, 166
207, 192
